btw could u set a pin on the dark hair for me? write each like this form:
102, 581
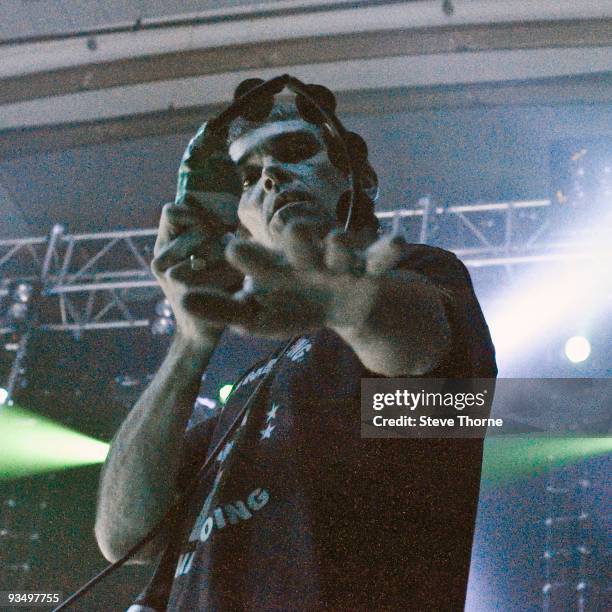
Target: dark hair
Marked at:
284, 112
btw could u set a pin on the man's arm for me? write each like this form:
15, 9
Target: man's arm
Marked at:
139, 478
395, 320
138, 481
404, 330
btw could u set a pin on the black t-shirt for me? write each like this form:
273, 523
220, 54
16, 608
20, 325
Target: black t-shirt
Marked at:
300, 513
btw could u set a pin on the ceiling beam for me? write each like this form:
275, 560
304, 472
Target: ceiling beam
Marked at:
584, 89
305, 50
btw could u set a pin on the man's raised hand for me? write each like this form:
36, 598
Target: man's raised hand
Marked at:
313, 282
185, 232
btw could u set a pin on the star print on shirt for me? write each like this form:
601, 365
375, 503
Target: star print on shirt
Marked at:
271, 414
265, 433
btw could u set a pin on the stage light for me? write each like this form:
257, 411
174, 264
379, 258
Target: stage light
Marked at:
127, 380
577, 349
23, 292
508, 457
3, 395
163, 325
18, 310
163, 309
31, 444
530, 314
224, 393
541, 303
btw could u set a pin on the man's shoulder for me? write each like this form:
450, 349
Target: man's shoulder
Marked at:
416, 251
428, 249
473, 353
438, 265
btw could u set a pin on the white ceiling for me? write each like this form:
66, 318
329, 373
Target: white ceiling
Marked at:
380, 73
36, 18
317, 19
239, 23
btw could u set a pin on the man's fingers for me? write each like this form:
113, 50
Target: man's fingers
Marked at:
302, 245
178, 218
194, 242
270, 314
175, 218
340, 256
256, 260
384, 254
177, 250
217, 276
221, 308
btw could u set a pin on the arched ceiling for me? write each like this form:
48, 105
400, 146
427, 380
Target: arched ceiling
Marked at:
121, 60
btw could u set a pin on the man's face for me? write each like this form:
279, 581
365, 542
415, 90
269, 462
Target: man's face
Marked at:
286, 175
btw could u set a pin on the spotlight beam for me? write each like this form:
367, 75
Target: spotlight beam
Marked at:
31, 444
508, 458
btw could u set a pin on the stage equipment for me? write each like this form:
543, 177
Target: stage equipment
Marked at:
581, 174
570, 573
21, 320
577, 349
96, 281
224, 392
512, 457
164, 324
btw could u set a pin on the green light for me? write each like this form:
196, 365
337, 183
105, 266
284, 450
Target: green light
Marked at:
31, 444
511, 457
224, 392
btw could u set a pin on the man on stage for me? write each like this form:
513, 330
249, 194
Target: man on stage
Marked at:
297, 512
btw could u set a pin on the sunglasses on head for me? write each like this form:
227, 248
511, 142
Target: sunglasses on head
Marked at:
254, 100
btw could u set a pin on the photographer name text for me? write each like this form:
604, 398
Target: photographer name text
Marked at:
426, 421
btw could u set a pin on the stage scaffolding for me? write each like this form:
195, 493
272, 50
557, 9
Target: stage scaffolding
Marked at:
94, 278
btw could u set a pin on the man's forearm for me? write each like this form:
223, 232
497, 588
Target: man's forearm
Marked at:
404, 331
138, 481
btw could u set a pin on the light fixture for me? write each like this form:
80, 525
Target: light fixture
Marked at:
127, 380
23, 292
163, 325
577, 349
18, 310
163, 309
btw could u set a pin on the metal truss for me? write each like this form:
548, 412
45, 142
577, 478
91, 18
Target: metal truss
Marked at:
101, 280
570, 580
496, 234
93, 279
